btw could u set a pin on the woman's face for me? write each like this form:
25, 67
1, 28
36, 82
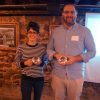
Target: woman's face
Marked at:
32, 35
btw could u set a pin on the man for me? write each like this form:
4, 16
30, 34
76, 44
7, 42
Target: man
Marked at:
69, 47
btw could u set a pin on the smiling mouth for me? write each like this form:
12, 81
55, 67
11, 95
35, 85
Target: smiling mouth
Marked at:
69, 18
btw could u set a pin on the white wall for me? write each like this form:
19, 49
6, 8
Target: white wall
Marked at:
92, 21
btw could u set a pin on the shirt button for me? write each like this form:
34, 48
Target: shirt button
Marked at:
66, 46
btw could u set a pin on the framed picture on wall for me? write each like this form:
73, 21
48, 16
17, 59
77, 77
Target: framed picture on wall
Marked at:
8, 35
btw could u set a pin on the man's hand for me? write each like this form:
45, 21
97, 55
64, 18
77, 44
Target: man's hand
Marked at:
59, 57
74, 59
70, 59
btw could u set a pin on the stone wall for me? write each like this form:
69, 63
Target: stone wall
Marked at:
9, 72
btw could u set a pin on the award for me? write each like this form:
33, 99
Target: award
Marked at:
36, 60
63, 59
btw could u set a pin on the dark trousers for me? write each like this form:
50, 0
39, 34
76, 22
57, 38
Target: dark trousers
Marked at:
27, 83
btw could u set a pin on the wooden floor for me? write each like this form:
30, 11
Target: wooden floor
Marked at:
13, 93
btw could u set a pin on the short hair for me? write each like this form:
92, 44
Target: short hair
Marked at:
35, 26
69, 4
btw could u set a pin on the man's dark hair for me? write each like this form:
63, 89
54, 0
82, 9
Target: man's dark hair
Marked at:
69, 4
35, 26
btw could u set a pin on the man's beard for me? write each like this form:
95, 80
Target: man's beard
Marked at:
69, 23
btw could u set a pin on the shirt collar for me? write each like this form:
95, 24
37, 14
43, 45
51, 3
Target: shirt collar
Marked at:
32, 45
72, 27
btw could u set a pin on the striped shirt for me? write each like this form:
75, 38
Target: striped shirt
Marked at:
24, 52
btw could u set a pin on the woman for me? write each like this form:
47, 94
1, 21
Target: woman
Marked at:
30, 57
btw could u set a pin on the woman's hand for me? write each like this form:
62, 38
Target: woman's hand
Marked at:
28, 62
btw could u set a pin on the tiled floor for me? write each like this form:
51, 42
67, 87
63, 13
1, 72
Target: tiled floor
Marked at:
13, 93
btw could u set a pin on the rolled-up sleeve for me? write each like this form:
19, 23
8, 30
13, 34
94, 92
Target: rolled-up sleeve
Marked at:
89, 45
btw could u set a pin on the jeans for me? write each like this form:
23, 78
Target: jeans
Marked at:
27, 83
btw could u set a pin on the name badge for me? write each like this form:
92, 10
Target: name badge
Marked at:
75, 38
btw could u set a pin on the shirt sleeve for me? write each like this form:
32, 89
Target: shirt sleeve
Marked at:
89, 46
18, 57
44, 60
50, 48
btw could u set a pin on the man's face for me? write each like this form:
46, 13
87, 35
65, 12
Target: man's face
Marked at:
69, 15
